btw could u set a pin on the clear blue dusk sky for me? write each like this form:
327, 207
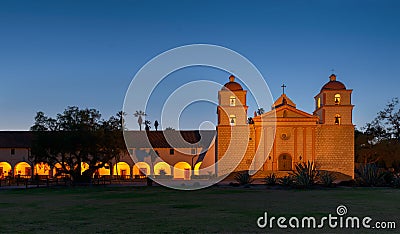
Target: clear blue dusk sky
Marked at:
55, 54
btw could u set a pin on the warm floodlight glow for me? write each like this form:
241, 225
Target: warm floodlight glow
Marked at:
42, 169
5, 169
22, 169
162, 166
182, 170
122, 169
141, 169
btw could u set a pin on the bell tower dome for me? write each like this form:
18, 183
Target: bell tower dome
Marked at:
333, 103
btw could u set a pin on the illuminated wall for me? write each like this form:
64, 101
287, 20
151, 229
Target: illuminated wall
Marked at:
42, 169
141, 169
162, 166
5, 169
22, 169
182, 170
122, 169
103, 171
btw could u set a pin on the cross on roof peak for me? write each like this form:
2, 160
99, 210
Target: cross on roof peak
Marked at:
283, 88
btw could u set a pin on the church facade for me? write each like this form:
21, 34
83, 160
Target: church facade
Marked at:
275, 141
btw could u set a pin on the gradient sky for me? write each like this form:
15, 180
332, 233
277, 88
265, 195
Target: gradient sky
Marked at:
55, 54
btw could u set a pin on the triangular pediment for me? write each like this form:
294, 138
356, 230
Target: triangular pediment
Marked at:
282, 101
286, 111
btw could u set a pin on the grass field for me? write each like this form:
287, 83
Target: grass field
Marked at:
157, 209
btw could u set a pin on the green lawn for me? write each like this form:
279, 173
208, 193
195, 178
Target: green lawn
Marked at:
157, 209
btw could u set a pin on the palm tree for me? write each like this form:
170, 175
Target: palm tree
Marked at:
260, 111
139, 114
147, 123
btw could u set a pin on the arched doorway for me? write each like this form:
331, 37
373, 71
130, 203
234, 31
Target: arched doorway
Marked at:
5, 170
22, 169
182, 171
197, 168
122, 169
162, 166
103, 171
58, 170
42, 169
284, 162
141, 169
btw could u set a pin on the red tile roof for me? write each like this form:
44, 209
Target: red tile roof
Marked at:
135, 139
169, 139
15, 139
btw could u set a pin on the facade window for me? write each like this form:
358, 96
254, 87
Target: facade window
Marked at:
337, 119
337, 99
318, 102
12, 151
232, 120
171, 151
232, 101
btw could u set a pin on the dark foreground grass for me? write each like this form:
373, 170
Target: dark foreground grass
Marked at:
157, 209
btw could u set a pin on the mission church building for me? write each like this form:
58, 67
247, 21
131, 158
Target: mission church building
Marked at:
284, 136
273, 142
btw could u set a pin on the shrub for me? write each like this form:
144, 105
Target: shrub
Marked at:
305, 175
286, 181
163, 172
271, 179
326, 178
348, 183
243, 178
396, 181
370, 175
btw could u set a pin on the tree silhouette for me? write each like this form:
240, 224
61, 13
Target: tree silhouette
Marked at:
74, 137
147, 124
139, 114
380, 141
250, 120
260, 111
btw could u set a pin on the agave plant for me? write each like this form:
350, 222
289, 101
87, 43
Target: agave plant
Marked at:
305, 174
370, 175
327, 178
243, 178
271, 179
286, 180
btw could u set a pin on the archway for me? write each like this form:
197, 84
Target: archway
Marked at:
57, 170
103, 171
197, 168
162, 166
84, 167
22, 169
41, 169
284, 162
182, 171
5, 170
122, 169
141, 169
